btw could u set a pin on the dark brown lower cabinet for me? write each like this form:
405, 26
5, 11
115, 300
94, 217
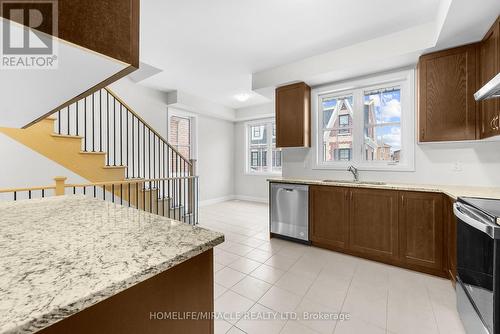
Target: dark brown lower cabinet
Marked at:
373, 223
451, 239
421, 230
329, 216
414, 230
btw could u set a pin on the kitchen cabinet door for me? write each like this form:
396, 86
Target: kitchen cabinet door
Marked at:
421, 229
489, 67
373, 227
447, 81
329, 216
293, 116
451, 238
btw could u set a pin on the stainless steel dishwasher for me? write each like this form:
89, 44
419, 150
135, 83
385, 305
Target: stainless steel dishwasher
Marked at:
290, 211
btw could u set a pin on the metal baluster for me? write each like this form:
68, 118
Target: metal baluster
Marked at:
113, 192
100, 120
67, 130
93, 122
144, 149
121, 193
133, 143
149, 154
43, 193
121, 135
114, 131
107, 128
77, 117
85, 123
29, 194
74, 190
15, 195
94, 192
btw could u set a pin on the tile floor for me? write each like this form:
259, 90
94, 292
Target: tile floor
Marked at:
256, 274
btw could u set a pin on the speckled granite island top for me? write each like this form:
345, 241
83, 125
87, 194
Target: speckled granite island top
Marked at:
61, 255
452, 191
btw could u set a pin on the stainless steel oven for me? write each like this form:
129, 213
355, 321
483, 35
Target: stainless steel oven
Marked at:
478, 264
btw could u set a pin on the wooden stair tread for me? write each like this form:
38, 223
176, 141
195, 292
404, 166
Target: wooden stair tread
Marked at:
114, 167
93, 153
66, 136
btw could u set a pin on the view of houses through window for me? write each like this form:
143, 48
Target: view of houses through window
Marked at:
381, 117
179, 134
263, 156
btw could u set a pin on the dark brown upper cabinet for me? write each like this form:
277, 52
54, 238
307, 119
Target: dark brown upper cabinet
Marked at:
447, 81
293, 116
489, 67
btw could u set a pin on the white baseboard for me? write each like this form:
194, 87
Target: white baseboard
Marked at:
233, 197
216, 200
251, 199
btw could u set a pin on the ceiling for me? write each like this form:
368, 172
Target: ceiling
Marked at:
211, 48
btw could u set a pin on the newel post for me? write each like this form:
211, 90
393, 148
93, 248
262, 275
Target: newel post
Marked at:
60, 183
192, 187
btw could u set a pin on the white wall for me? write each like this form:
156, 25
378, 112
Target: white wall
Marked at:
76, 71
216, 147
150, 104
434, 164
22, 167
248, 186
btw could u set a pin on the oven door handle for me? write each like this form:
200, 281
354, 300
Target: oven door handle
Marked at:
479, 225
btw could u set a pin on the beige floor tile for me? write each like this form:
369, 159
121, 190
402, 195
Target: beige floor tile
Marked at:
239, 249
295, 327
218, 266
309, 314
358, 327
225, 258
218, 290
410, 313
329, 292
280, 300
251, 288
259, 255
261, 326
252, 242
221, 326
228, 277
235, 330
280, 262
232, 305
244, 265
295, 283
268, 274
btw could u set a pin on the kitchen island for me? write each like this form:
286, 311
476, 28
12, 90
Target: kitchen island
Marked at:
73, 264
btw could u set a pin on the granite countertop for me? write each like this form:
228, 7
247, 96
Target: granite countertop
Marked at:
61, 255
452, 191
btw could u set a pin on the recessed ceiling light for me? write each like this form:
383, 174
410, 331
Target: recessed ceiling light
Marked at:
242, 97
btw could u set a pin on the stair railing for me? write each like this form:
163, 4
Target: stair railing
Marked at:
108, 126
168, 197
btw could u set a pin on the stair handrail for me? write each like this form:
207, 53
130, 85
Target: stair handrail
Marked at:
188, 161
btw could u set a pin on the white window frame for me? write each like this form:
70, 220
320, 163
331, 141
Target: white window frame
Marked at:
406, 81
193, 118
269, 156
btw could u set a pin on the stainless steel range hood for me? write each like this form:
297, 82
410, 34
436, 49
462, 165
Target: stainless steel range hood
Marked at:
490, 90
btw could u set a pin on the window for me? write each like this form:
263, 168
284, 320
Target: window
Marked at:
337, 127
263, 156
382, 128
179, 135
370, 125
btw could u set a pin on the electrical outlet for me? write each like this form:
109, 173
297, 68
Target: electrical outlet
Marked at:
457, 166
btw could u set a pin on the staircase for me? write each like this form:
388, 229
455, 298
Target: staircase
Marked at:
103, 140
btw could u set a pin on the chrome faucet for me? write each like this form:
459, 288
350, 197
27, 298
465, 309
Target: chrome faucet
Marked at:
354, 172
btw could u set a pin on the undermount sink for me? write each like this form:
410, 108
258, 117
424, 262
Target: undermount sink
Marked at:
355, 182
